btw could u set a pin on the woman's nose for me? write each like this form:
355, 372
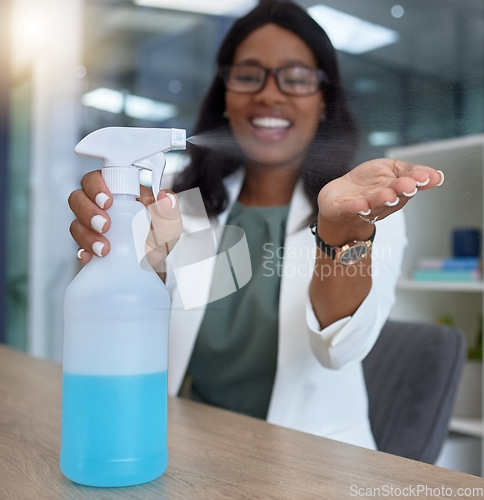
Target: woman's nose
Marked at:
271, 89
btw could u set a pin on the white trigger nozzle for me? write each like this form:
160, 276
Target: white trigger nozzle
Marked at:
156, 163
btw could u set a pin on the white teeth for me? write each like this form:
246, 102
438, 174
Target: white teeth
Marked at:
270, 122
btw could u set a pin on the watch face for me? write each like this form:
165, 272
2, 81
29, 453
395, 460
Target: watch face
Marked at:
353, 254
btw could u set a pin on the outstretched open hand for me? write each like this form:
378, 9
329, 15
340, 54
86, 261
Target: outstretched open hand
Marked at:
374, 190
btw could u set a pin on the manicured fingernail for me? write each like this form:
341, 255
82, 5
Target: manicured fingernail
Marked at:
424, 183
392, 203
442, 178
101, 199
97, 248
413, 193
367, 212
79, 253
172, 198
97, 223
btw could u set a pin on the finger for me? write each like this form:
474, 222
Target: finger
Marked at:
382, 203
89, 240
146, 196
165, 219
417, 179
167, 205
83, 257
96, 190
88, 213
425, 177
166, 229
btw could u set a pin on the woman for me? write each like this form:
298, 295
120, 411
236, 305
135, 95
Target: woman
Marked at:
287, 346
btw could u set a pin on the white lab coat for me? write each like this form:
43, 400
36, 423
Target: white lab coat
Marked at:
319, 386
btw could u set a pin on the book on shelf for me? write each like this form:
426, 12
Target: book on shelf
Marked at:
448, 269
442, 275
450, 263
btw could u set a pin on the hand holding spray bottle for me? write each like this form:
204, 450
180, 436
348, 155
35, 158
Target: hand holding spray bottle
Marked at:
114, 394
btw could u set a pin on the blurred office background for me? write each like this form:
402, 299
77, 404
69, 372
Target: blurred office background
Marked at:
413, 69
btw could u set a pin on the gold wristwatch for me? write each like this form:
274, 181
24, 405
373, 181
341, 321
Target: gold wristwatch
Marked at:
348, 254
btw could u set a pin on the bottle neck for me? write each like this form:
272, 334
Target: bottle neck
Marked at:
129, 228
122, 179
123, 197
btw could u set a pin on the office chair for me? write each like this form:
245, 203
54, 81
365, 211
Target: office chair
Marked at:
412, 374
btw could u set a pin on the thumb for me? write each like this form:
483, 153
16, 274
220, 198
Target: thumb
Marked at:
166, 228
166, 206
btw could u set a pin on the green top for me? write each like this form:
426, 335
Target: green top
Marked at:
234, 360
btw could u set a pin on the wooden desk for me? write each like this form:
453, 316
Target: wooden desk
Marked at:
214, 454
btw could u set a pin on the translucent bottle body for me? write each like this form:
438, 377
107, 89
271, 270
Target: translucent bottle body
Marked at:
114, 396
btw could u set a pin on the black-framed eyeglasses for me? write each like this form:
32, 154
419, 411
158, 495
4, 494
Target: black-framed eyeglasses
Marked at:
291, 80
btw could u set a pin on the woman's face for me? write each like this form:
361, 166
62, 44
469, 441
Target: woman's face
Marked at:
273, 128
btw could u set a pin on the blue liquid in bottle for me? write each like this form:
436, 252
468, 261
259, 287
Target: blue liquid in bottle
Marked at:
114, 428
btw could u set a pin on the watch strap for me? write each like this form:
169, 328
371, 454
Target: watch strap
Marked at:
328, 249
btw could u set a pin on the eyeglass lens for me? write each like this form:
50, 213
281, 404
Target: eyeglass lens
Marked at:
293, 80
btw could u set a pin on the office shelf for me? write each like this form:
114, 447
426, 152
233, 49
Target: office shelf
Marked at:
440, 286
431, 218
467, 425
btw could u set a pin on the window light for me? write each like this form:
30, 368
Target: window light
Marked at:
213, 7
384, 138
349, 33
134, 106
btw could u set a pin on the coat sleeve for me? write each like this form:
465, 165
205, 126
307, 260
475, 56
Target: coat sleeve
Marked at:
348, 340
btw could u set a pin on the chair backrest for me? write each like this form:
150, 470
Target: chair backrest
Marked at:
412, 374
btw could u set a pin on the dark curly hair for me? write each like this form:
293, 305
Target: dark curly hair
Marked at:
334, 145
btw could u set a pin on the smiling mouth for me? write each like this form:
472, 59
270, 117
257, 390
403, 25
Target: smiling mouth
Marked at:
270, 123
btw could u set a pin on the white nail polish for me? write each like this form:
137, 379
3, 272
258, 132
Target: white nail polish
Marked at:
97, 223
172, 198
101, 199
367, 212
424, 183
413, 193
79, 253
442, 178
392, 203
97, 248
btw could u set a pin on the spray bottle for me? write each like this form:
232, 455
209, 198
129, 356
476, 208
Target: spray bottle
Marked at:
116, 314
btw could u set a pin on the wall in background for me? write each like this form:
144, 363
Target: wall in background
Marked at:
4, 119
44, 127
